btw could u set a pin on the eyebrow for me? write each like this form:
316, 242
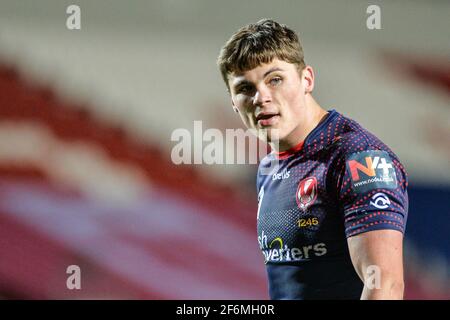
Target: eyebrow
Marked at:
272, 70
241, 82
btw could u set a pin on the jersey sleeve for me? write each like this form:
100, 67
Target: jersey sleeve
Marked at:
372, 191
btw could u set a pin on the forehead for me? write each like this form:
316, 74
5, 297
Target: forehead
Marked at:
259, 72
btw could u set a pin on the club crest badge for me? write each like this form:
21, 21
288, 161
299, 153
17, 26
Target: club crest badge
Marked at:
306, 192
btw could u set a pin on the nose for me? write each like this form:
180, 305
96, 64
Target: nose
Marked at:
262, 96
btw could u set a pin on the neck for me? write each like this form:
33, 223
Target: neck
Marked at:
312, 116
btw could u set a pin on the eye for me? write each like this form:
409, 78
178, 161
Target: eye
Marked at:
275, 81
244, 89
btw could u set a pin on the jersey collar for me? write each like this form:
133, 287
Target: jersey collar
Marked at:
310, 138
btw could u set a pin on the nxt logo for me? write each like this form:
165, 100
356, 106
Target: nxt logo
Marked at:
369, 167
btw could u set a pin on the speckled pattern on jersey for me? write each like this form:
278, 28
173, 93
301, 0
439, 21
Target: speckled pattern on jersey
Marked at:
341, 182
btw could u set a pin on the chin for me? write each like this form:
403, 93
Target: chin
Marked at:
274, 135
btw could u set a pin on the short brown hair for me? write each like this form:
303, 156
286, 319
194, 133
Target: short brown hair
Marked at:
257, 44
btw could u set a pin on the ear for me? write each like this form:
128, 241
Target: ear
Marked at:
308, 79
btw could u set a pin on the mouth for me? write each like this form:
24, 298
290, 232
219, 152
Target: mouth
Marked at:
267, 119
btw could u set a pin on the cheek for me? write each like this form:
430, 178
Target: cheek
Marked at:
241, 102
293, 98
244, 111
293, 94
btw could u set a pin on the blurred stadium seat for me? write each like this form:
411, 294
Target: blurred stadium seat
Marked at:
85, 171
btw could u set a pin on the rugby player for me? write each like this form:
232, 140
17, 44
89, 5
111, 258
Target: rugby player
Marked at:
332, 214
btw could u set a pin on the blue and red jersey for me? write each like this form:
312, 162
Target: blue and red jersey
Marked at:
339, 182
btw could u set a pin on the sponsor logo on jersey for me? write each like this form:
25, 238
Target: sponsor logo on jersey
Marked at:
278, 251
370, 170
306, 192
281, 176
380, 201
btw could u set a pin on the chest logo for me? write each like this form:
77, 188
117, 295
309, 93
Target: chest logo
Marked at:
306, 192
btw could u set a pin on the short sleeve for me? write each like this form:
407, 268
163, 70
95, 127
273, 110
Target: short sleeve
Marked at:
372, 192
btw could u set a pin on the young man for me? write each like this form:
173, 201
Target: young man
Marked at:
332, 214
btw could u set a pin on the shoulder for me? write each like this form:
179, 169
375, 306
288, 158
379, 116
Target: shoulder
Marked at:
265, 168
354, 139
360, 151
266, 163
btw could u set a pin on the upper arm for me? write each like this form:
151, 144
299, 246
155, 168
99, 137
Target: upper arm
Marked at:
378, 251
372, 193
